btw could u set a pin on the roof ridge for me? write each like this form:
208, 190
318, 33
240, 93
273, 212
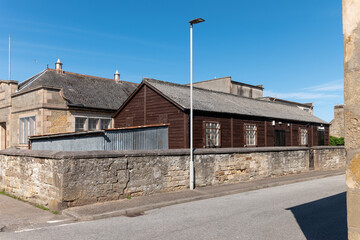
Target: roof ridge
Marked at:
85, 75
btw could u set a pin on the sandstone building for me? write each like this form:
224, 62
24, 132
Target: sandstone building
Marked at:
57, 101
337, 127
351, 37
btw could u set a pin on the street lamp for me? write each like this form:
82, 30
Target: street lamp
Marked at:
192, 182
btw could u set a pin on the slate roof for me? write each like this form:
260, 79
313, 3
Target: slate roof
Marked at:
212, 101
83, 90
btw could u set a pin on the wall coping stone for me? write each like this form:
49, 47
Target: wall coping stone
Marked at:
328, 147
144, 153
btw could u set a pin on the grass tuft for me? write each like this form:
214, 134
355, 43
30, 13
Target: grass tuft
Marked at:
2, 192
5, 194
42, 207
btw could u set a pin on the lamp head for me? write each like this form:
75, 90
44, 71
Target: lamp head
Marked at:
197, 20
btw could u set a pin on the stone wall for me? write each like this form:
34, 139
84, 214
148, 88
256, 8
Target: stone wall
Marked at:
65, 179
326, 158
351, 35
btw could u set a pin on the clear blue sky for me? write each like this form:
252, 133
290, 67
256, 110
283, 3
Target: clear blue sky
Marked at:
294, 48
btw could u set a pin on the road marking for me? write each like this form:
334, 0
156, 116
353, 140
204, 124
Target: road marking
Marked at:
56, 221
67, 224
27, 230
35, 229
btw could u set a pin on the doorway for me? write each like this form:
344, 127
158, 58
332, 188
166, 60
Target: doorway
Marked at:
279, 138
321, 136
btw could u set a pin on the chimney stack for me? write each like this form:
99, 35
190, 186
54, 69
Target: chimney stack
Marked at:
58, 66
117, 76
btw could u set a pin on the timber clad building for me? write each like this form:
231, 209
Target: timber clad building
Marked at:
220, 119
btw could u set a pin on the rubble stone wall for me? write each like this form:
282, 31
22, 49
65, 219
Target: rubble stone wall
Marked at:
64, 179
326, 158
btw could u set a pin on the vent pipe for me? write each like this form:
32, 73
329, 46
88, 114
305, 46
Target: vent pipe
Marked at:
58, 66
117, 76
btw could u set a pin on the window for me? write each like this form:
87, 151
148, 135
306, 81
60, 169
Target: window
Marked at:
212, 134
80, 124
279, 138
105, 123
27, 128
93, 123
250, 134
303, 136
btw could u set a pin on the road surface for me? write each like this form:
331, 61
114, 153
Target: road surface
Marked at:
307, 210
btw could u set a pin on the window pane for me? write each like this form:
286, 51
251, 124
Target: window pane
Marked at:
92, 123
105, 123
31, 126
80, 124
212, 134
303, 136
21, 131
250, 131
27, 127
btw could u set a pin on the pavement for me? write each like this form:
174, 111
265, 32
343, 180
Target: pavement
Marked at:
16, 215
138, 205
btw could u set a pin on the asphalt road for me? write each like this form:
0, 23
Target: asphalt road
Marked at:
308, 210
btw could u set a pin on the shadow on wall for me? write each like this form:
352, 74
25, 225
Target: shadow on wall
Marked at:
323, 219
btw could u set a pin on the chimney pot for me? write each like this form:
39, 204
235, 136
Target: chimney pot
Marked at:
117, 76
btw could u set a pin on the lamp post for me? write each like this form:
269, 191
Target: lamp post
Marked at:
192, 176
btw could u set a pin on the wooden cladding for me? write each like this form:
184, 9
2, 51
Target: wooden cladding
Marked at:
148, 107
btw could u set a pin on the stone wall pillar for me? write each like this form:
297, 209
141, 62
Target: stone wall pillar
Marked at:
351, 34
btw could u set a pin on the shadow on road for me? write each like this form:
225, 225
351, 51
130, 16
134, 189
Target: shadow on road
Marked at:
323, 219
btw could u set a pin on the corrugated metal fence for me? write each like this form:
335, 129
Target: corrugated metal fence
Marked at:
137, 139
123, 139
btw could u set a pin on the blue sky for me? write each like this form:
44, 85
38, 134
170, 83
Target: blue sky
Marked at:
294, 48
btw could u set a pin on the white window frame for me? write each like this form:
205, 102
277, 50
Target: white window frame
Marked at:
25, 128
98, 125
250, 134
303, 136
212, 134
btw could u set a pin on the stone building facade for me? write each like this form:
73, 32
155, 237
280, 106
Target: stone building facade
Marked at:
227, 85
55, 101
351, 35
337, 127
